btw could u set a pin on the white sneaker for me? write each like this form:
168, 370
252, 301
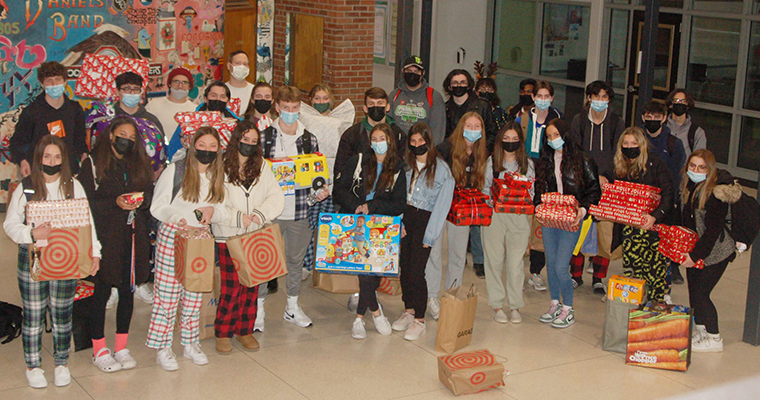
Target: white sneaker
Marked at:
63, 376
499, 316
105, 361
709, 344
382, 325
294, 314
516, 318
36, 378
144, 292
305, 274
590, 269
167, 360
194, 352
125, 359
403, 322
537, 282
417, 329
358, 331
434, 306
699, 333
113, 299
258, 325
353, 303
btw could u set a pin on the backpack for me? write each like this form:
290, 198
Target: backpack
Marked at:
692, 134
744, 229
179, 174
429, 96
11, 319
269, 139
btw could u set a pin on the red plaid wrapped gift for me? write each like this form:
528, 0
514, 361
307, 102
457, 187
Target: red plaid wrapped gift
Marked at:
676, 240
514, 208
189, 122
517, 181
557, 216
469, 207
503, 192
98, 74
555, 198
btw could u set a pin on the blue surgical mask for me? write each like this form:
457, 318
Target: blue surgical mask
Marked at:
472, 136
543, 105
696, 177
599, 105
379, 147
130, 100
54, 91
289, 117
557, 144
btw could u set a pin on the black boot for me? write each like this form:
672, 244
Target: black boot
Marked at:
480, 270
273, 286
676, 276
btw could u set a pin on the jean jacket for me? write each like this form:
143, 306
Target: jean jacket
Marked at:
436, 199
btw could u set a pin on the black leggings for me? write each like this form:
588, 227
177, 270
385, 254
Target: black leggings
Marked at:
414, 258
701, 284
123, 309
367, 296
537, 261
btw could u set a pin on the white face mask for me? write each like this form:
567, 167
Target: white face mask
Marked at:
240, 72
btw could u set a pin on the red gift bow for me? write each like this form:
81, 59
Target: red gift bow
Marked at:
516, 181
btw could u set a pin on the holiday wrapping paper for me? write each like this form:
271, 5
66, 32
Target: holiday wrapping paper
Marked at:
557, 216
98, 74
676, 240
70, 213
626, 203
514, 208
517, 181
189, 122
555, 198
469, 207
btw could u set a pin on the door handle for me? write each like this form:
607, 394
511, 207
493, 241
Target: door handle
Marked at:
631, 89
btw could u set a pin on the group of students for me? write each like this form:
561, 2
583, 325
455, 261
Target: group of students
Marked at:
405, 158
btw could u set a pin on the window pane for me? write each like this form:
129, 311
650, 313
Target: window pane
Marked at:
564, 45
749, 144
568, 99
516, 35
712, 62
618, 48
671, 3
722, 6
508, 89
617, 104
717, 126
752, 88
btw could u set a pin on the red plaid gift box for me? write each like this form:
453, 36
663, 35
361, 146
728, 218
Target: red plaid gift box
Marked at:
514, 208
189, 122
503, 192
513, 200
557, 216
517, 181
98, 74
469, 207
558, 199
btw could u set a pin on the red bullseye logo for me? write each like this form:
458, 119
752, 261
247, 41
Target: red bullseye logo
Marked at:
478, 378
59, 258
469, 360
198, 265
261, 253
539, 233
236, 264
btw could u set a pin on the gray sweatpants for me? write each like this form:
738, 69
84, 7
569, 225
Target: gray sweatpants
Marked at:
458, 236
297, 236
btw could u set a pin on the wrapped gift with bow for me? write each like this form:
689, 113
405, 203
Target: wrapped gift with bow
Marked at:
189, 122
97, 78
469, 207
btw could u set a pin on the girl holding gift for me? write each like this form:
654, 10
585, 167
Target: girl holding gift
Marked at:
706, 195
636, 162
428, 200
465, 152
563, 168
118, 168
372, 183
253, 198
195, 183
507, 237
50, 179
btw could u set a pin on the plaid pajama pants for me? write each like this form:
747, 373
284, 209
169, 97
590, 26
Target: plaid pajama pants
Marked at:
237, 309
36, 297
168, 293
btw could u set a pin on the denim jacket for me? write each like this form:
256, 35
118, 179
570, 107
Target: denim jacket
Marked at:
437, 199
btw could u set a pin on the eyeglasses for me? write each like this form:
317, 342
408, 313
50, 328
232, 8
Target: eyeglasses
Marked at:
180, 83
131, 89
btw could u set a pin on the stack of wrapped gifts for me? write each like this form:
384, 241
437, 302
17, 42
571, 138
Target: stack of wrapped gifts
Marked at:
558, 211
510, 195
676, 240
190, 121
469, 207
626, 202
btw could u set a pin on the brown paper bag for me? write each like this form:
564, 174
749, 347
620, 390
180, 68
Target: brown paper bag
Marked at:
470, 372
336, 283
536, 241
456, 320
258, 256
194, 260
67, 255
391, 286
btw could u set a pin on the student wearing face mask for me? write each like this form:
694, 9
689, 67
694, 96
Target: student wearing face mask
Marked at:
487, 90
526, 99
261, 110
177, 101
117, 167
665, 144
415, 101
681, 123
636, 161
459, 85
370, 184
52, 112
238, 67
129, 85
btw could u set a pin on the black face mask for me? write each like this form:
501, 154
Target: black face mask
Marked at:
487, 96
262, 106
510, 147
526, 99
412, 79
205, 157
631, 152
652, 125
216, 105
51, 170
376, 113
246, 149
123, 145
679, 109
419, 150
459, 91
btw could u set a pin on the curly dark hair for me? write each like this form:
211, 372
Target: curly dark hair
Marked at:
252, 167
572, 156
452, 74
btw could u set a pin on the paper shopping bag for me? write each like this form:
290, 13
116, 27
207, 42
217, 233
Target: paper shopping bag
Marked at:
391, 286
194, 260
615, 330
336, 283
536, 241
456, 320
471, 372
67, 255
258, 256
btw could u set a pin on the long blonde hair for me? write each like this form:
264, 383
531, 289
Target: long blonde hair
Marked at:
191, 182
460, 159
705, 188
625, 167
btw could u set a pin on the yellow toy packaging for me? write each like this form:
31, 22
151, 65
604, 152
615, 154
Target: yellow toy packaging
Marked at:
284, 170
626, 290
305, 171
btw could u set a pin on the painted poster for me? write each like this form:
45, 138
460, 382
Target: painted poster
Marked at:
167, 33
265, 40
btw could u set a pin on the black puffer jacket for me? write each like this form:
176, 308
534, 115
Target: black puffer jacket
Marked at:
588, 194
349, 193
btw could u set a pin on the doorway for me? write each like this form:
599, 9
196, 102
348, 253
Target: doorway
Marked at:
240, 34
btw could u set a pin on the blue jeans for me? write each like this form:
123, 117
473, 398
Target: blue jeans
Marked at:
476, 245
559, 246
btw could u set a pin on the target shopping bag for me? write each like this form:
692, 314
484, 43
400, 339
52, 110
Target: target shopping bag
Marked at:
194, 259
471, 372
258, 256
67, 255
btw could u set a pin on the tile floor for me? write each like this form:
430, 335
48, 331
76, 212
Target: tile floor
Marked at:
324, 362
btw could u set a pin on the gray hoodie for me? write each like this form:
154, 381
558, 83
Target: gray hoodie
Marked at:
409, 107
682, 132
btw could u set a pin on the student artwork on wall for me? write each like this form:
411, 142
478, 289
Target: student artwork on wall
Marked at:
166, 33
265, 40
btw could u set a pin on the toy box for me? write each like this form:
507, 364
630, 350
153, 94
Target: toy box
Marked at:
358, 244
285, 172
625, 290
305, 171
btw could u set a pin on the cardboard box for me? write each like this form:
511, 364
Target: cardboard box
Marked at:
625, 290
284, 170
358, 244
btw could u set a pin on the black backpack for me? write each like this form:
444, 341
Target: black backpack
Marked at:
745, 226
11, 320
